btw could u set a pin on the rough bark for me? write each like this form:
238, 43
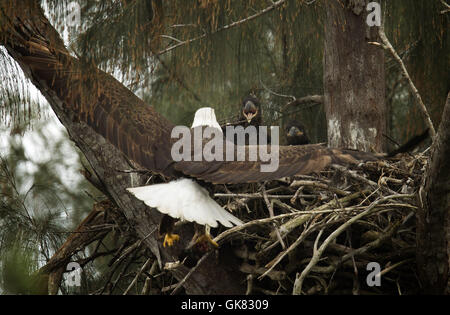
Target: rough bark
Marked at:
433, 217
23, 22
354, 86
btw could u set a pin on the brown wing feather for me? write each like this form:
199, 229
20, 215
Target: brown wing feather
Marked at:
95, 98
133, 126
293, 160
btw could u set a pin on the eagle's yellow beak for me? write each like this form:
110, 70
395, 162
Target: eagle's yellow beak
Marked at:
249, 111
295, 132
249, 116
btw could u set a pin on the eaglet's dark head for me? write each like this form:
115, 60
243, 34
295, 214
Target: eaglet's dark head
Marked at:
251, 111
296, 134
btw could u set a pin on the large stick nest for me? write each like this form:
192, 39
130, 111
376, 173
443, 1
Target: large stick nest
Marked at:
317, 234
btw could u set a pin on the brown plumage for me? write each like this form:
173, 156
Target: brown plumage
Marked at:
296, 134
293, 160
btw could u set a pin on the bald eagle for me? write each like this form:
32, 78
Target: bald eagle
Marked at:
185, 199
250, 115
296, 134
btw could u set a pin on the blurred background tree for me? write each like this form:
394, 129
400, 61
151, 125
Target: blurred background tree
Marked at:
43, 196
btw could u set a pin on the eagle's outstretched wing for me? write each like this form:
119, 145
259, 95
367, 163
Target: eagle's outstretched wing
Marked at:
293, 160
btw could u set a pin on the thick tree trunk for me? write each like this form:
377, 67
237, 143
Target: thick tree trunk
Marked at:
433, 217
24, 31
354, 86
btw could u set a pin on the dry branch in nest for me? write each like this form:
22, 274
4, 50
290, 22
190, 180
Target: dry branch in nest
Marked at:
317, 234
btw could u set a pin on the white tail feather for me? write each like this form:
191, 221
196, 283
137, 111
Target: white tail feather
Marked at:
186, 200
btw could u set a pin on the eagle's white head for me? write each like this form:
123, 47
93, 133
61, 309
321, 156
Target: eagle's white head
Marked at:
205, 116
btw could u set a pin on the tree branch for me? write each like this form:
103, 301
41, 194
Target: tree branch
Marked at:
433, 215
226, 27
386, 44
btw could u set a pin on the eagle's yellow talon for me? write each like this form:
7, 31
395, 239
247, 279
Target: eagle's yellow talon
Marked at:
169, 239
214, 242
207, 239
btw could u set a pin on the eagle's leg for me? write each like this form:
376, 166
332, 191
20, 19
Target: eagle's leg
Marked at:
202, 238
166, 228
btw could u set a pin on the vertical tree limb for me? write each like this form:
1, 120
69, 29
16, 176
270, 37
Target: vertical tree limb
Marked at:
354, 79
433, 217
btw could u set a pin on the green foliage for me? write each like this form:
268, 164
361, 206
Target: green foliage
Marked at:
16, 104
42, 198
17, 265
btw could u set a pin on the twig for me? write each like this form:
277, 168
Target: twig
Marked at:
144, 267
390, 268
258, 196
353, 175
299, 280
447, 7
386, 44
172, 38
249, 285
294, 245
275, 93
147, 286
284, 206
235, 229
296, 195
364, 249
305, 99
305, 215
315, 184
226, 27
252, 269
193, 269
269, 206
